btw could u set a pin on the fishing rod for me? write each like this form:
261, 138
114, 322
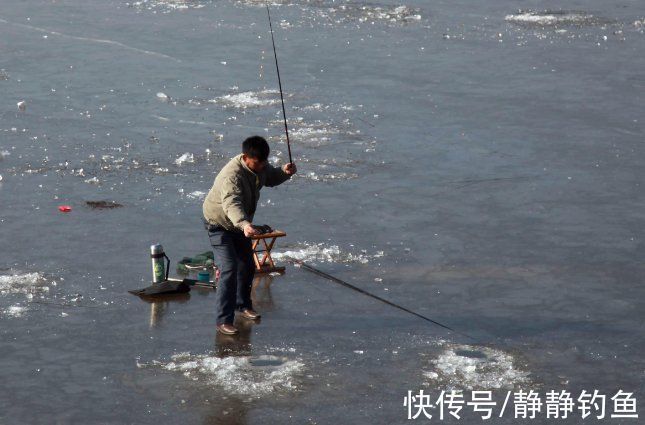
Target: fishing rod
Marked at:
369, 294
277, 68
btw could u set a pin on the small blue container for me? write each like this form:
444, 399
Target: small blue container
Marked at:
204, 276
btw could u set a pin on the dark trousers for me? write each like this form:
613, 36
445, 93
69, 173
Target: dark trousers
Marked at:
234, 256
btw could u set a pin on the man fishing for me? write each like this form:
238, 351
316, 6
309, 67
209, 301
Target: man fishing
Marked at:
228, 214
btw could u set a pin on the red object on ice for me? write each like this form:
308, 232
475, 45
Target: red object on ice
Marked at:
64, 208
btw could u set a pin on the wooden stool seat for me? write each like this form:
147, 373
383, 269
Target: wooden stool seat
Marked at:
266, 264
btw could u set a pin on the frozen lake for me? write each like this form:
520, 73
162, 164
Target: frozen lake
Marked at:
478, 164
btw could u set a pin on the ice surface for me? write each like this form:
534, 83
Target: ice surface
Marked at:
460, 109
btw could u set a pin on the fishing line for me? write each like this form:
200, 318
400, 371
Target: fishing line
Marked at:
277, 68
369, 294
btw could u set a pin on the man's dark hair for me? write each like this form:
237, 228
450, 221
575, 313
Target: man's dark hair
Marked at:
256, 147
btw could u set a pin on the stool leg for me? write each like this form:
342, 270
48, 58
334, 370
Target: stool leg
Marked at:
255, 254
268, 253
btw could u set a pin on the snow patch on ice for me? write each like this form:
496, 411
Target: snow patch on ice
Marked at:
167, 5
14, 311
327, 177
320, 252
245, 375
314, 134
248, 99
471, 367
552, 18
352, 12
391, 14
22, 283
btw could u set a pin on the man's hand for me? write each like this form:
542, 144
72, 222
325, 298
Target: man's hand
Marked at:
290, 168
250, 230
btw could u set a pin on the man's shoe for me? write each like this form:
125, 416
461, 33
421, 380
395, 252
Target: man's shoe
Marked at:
250, 314
227, 329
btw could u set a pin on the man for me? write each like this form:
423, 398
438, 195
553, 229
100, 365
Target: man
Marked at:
228, 213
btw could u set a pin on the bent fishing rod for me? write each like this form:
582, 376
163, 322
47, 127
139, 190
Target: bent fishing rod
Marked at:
369, 294
277, 68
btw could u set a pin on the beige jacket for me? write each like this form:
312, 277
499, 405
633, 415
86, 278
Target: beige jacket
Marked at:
232, 200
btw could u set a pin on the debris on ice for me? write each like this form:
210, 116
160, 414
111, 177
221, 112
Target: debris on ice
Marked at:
185, 159
198, 194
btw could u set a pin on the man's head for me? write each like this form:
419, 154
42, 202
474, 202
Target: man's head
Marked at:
255, 153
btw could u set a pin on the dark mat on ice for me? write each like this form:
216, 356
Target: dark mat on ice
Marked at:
163, 288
